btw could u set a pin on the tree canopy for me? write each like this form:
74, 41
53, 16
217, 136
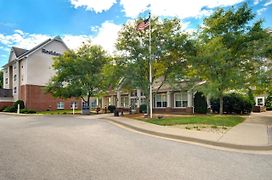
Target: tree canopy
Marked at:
79, 73
169, 47
230, 48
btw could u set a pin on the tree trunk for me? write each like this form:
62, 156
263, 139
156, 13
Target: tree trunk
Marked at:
221, 104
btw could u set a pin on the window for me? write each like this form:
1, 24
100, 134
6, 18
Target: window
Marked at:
160, 100
14, 66
6, 80
124, 101
260, 101
133, 93
6, 70
143, 100
60, 105
93, 103
71, 106
15, 77
180, 99
15, 90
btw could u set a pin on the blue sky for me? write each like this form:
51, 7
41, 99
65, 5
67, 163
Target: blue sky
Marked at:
26, 23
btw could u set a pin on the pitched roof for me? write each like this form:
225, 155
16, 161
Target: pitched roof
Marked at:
19, 51
57, 38
36, 47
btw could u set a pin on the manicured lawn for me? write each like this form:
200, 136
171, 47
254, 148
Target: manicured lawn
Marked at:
59, 112
215, 120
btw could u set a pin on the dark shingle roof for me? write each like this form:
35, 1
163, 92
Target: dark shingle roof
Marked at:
19, 51
36, 47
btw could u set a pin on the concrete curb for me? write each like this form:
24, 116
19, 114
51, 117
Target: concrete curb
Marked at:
195, 140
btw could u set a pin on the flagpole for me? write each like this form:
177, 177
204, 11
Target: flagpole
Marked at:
150, 69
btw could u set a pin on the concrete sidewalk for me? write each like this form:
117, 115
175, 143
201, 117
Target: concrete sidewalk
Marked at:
255, 133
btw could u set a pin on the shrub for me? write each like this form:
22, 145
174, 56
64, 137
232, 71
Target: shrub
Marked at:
10, 109
2, 108
143, 108
111, 108
27, 111
21, 102
268, 102
233, 103
200, 103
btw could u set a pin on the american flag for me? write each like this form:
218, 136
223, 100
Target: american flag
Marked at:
143, 25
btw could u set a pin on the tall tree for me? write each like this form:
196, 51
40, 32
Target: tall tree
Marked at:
229, 55
169, 45
79, 73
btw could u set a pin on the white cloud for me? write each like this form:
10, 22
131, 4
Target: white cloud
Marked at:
182, 9
257, 2
75, 41
268, 3
260, 11
94, 28
107, 36
21, 39
94, 5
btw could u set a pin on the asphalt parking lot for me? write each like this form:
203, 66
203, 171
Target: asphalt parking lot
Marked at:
67, 147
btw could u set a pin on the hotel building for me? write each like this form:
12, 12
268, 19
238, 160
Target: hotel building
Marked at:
28, 72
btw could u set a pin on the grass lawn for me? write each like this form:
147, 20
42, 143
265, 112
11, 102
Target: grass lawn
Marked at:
215, 120
59, 112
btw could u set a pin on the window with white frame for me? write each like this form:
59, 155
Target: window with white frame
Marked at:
260, 101
133, 93
71, 105
60, 105
15, 90
124, 101
181, 99
15, 77
6, 81
160, 100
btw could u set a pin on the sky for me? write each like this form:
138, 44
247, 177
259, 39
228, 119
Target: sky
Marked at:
26, 23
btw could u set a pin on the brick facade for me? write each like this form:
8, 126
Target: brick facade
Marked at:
5, 104
37, 99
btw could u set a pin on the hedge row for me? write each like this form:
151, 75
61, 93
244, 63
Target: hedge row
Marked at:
14, 107
233, 103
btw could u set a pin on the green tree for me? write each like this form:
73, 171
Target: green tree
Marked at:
1, 79
79, 73
169, 46
230, 51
